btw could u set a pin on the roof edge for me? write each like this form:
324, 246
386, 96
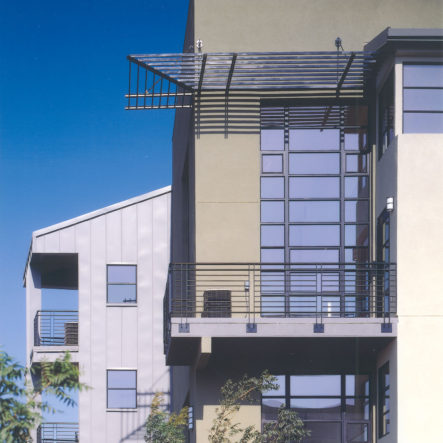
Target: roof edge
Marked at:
101, 211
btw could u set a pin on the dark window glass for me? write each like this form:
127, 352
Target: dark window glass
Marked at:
423, 75
314, 163
383, 400
358, 255
314, 187
314, 235
314, 256
317, 408
272, 211
314, 139
356, 211
357, 385
121, 389
314, 211
272, 163
386, 115
272, 139
270, 407
122, 283
356, 187
356, 163
322, 432
272, 187
422, 123
272, 235
357, 432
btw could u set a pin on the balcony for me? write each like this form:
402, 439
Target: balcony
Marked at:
54, 333
57, 433
228, 299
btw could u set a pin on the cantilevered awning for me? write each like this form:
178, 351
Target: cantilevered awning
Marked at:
226, 88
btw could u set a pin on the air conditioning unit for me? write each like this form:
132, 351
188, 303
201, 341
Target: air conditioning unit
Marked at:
216, 303
71, 334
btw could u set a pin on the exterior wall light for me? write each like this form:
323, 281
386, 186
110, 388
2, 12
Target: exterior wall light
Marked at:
390, 204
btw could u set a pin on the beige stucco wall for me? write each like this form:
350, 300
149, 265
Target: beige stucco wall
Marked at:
227, 194
420, 272
305, 25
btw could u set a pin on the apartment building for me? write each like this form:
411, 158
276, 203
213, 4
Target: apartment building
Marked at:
109, 267
306, 211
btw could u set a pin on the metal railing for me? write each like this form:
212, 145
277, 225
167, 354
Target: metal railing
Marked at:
281, 290
56, 328
58, 432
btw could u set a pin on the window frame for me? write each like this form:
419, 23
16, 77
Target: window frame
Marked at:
418, 88
121, 303
119, 389
386, 92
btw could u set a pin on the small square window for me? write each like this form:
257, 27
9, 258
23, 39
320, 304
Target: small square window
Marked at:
122, 284
121, 389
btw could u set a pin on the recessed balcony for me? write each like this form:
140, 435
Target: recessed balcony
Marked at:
55, 332
279, 299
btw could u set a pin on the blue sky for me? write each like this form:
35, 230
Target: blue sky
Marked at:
67, 146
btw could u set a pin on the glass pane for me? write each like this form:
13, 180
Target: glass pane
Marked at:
357, 255
270, 407
272, 211
357, 385
357, 211
314, 235
272, 306
422, 123
272, 163
272, 282
357, 408
314, 163
356, 187
356, 163
314, 256
272, 235
314, 139
122, 274
307, 385
122, 294
423, 99
357, 433
317, 408
355, 141
314, 187
356, 235
423, 75
324, 432
272, 255
122, 379
272, 187
314, 211
281, 381
122, 398
272, 139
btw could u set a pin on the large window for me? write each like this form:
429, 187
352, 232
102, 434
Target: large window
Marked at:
314, 208
384, 258
422, 98
334, 407
383, 400
121, 389
122, 284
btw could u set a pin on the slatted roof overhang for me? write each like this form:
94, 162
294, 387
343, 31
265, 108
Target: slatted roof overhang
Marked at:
225, 89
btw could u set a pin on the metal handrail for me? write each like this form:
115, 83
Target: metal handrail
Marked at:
58, 432
56, 328
249, 290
